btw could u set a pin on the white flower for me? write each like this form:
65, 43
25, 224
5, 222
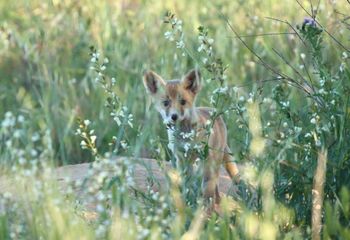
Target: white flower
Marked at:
87, 122
313, 120
201, 48
124, 144
169, 35
302, 55
318, 143
130, 119
83, 144
101, 196
116, 118
267, 100
17, 133
33, 153
285, 104
297, 129
9, 120
322, 91
8, 143
8, 114
22, 161
35, 137
221, 90
307, 135
93, 139
20, 118
208, 122
180, 44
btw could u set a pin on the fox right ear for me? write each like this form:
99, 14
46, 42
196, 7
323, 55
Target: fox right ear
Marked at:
153, 82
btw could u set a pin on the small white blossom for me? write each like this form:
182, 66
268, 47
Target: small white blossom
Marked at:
307, 135
169, 35
318, 143
35, 137
83, 144
20, 118
17, 133
33, 153
180, 44
87, 122
313, 121
124, 144
93, 139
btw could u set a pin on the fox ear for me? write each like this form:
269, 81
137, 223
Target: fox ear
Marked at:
153, 82
191, 81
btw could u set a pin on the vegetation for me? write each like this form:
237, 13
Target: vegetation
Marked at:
71, 91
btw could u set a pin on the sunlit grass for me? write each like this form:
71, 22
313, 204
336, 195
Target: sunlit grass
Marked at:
275, 127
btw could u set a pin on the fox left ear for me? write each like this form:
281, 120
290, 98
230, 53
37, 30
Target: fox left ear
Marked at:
153, 82
191, 81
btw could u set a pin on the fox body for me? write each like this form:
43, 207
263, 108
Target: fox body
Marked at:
175, 101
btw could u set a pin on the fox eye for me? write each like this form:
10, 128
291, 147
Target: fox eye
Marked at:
182, 101
166, 103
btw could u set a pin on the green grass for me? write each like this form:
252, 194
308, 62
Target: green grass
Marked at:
45, 77
48, 48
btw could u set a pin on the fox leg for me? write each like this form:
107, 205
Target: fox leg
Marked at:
230, 166
210, 178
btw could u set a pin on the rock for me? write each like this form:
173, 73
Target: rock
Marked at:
144, 168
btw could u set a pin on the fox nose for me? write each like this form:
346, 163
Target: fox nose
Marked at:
174, 117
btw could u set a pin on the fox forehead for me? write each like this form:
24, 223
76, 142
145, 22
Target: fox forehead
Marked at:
174, 90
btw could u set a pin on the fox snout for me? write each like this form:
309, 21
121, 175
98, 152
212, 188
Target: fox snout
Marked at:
174, 99
174, 117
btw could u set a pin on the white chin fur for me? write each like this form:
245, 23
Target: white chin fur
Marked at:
187, 114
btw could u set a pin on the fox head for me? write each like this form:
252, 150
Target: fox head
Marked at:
174, 99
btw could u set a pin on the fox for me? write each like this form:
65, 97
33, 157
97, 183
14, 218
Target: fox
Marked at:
175, 101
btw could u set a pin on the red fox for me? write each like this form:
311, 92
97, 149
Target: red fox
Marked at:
175, 101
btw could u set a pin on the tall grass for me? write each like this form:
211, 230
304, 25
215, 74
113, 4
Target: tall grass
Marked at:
282, 90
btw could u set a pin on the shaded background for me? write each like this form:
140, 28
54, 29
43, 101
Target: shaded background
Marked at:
44, 59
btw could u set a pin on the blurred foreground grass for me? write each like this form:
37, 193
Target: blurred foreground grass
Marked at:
46, 84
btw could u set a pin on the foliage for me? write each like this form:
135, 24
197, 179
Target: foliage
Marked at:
282, 90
